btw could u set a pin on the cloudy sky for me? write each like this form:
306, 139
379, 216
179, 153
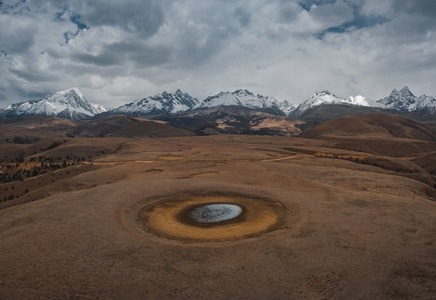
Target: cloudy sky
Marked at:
116, 51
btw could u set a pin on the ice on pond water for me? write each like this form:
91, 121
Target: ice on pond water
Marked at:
213, 213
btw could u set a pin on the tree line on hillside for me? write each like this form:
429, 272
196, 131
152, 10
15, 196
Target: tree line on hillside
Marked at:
18, 170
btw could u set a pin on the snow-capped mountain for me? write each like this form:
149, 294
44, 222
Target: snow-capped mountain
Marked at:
425, 102
164, 103
405, 100
286, 107
247, 99
325, 97
69, 104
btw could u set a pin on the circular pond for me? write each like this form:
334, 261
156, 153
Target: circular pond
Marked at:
211, 218
214, 213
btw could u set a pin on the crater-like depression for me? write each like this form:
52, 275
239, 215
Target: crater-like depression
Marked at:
211, 218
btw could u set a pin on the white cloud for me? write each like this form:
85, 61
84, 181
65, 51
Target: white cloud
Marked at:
119, 51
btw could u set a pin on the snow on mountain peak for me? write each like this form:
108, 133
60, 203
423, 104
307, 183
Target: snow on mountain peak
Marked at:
243, 92
73, 90
68, 104
406, 91
425, 102
403, 99
326, 97
245, 98
163, 103
72, 104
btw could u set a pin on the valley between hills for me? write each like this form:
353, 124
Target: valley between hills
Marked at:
344, 209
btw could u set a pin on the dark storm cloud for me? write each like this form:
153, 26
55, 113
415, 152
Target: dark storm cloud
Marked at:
118, 54
142, 17
101, 60
242, 16
141, 55
421, 7
150, 57
32, 75
410, 22
17, 92
287, 12
416, 23
16, 37
204, 30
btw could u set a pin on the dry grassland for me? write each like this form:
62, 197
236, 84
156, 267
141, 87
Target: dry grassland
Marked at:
349, 230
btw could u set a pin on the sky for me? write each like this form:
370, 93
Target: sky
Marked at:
119, 51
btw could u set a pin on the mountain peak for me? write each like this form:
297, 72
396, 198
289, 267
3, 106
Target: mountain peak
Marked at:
323, 92
406, 92
326, 97
403, 99
72, 90
67, 104
245, 98
405, 89
164, 103
242, 92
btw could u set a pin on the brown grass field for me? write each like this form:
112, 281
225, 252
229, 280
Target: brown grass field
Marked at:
338, 223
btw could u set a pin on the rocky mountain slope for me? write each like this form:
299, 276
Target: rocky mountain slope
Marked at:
165, 103
405, 100
327, 98
69, 104
248, 99
232, 119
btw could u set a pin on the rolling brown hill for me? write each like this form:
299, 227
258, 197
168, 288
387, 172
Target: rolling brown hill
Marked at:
123, 126
233, 120
31, 129
383, 134
427, 161
373, 126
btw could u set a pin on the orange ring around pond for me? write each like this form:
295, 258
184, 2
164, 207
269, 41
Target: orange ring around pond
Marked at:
171, 218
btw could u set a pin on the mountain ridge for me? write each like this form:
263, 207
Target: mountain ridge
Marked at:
405, 100
71, 104
164, 103
248, 99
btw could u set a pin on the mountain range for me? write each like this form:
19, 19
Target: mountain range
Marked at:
71, 104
